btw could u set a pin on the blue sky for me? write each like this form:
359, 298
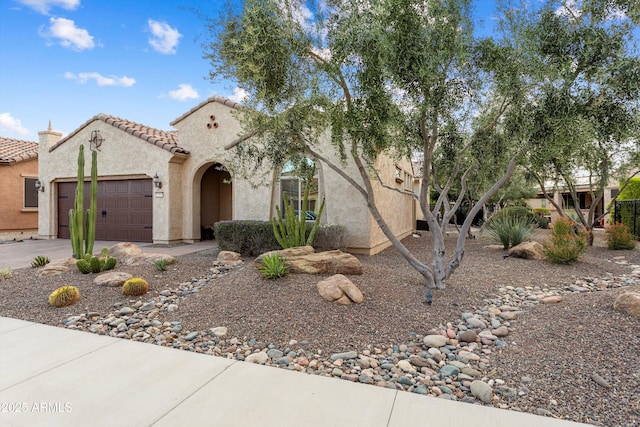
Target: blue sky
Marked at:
68, 60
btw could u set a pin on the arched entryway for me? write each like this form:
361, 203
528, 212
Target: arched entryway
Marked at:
215, 198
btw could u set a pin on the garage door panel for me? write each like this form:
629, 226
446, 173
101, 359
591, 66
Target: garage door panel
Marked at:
125, 209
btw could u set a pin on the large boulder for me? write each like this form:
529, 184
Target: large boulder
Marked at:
130, 254
329, 262
340, 289
628, 302
527, 250
55, 268
303, 259
112, 279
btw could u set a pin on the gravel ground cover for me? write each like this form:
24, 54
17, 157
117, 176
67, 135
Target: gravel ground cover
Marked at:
547, 363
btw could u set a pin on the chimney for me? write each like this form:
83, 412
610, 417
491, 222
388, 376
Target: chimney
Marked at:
48, 138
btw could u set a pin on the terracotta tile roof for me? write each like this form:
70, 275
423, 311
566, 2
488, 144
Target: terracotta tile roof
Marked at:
15, 150
224, 101
167, 140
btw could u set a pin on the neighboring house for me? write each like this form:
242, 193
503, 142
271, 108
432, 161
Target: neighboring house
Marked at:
18, 192
563, 198
168, 186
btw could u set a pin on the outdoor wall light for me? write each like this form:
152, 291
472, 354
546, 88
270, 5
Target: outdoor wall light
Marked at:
39, 185
156, 181
96, 140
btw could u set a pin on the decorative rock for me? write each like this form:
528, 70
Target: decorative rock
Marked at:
449, 370
502, 331
329, 289
406, 366
482, 391
434, 341
112, 278
527, 250
329, 262
350, 289
340, 289
476, 323
468, 336
344, 356
554, 299
228, 256
628, 302
220, 331
600, 381
260, 358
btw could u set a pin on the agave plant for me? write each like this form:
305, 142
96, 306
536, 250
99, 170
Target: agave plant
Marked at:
273, 266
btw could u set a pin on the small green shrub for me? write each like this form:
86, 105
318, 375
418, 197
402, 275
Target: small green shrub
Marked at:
273, 266
542, 211
619, 237
40, 261
64, 296
568, 241
330, 236
509, 230
5, 272
135, 286
161, 264
249, 238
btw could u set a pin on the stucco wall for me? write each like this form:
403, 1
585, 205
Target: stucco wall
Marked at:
13, 215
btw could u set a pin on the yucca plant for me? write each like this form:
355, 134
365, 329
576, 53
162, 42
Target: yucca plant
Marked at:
161, 264
40, 261
273, 266
510, 230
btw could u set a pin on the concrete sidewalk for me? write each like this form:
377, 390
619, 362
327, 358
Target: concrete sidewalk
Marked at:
58, 377
21, 254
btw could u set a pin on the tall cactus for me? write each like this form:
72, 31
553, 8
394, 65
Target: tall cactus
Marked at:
75, 215
76, 222
291, 231
93, 206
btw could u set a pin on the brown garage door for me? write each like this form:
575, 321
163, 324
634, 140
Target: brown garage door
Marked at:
125, 209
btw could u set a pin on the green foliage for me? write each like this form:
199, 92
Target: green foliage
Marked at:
619, 237
273, 266
77, 227
161, 264
64, 296
249, 238
291, 231
135, 286
108, 263
83, 266
95, 264
631, 191
509, 229
40, 261
542, 211
568, 241
5, 272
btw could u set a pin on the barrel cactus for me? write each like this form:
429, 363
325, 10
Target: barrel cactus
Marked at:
84, 266
95, 264
64, 296
135, 286
108, 263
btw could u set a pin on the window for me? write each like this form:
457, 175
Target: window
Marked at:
293, 180
614, 192
399, 177
30, 193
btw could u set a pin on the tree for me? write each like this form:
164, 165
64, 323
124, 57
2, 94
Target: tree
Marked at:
588, 118
387, 77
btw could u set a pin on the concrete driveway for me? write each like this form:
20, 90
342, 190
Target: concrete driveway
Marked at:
21, 254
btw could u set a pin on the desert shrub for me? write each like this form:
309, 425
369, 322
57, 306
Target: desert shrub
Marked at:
330, 236
5, 272
273, 266
542, 211
39, 261
568, 241
619, 237
246, 237
64, 296
509, 230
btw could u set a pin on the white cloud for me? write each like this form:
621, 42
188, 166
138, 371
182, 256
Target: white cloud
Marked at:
239, 95
184, 92
100, 79
70, 36
570, 9
43, 6
165, 39
11, 124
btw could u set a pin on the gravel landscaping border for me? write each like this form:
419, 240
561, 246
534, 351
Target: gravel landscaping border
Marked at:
486, 339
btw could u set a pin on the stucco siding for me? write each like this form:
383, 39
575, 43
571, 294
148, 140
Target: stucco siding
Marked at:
13, 214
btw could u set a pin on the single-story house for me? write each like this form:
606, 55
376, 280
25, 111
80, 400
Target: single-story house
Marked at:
167, 186
18, 192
